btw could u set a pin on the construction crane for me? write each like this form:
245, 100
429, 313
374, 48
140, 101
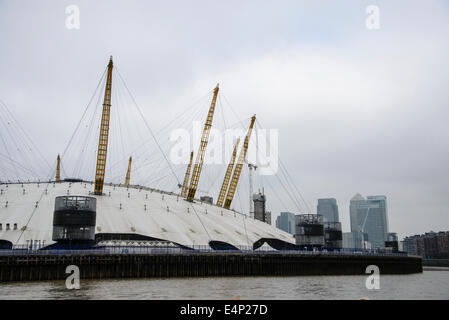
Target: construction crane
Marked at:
186, 178
238, 167
58, 169
104, 134
224, 186
128, 172
202, 149
362, 230
250, 177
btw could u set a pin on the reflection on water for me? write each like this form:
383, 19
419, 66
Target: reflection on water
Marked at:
428, 285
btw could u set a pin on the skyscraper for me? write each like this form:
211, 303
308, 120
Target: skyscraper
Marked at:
369, 216
328, 209
286, 222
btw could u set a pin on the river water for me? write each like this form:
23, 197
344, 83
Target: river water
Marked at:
428, 285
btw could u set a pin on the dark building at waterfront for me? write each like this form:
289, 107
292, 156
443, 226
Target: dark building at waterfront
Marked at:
309, 230
392, 242
333, 235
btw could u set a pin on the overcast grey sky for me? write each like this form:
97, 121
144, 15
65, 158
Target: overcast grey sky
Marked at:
357, 110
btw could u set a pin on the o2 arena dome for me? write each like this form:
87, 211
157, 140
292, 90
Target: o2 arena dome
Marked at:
63, 212
132, 213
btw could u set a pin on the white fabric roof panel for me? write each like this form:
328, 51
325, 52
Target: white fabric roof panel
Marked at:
183, 222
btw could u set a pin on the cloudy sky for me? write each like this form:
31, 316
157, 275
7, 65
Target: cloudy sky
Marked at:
358, 110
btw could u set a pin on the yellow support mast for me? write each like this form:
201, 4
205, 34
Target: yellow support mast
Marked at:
238, 167
104, 134
224, 186
202, 149
186, 178
58, 169
128, 172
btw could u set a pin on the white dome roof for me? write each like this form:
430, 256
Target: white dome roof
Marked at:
133, 210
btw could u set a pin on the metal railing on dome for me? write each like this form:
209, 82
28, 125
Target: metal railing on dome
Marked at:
194, 249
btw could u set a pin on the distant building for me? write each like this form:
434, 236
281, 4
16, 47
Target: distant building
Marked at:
207, 199
268, 217
332, 235
353, 240
401, 246
409, 245
309, 230
392, 236
392, 242
369, 216
328, 209
443, 243
431, 245
348, 240
260, 212
286, 221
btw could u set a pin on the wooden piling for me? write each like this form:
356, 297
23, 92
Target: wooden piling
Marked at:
100, 266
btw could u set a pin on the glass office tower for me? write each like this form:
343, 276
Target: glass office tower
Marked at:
369, 216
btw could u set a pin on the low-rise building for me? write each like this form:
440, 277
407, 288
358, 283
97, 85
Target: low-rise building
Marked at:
429, 245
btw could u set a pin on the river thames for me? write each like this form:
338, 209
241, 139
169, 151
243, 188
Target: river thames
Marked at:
428, 285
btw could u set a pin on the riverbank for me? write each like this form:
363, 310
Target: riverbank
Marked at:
435, 262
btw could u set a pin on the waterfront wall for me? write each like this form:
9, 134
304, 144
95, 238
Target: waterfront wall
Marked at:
100, 266
435, 262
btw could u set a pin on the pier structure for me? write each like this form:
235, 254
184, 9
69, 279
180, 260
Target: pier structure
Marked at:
102, 265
